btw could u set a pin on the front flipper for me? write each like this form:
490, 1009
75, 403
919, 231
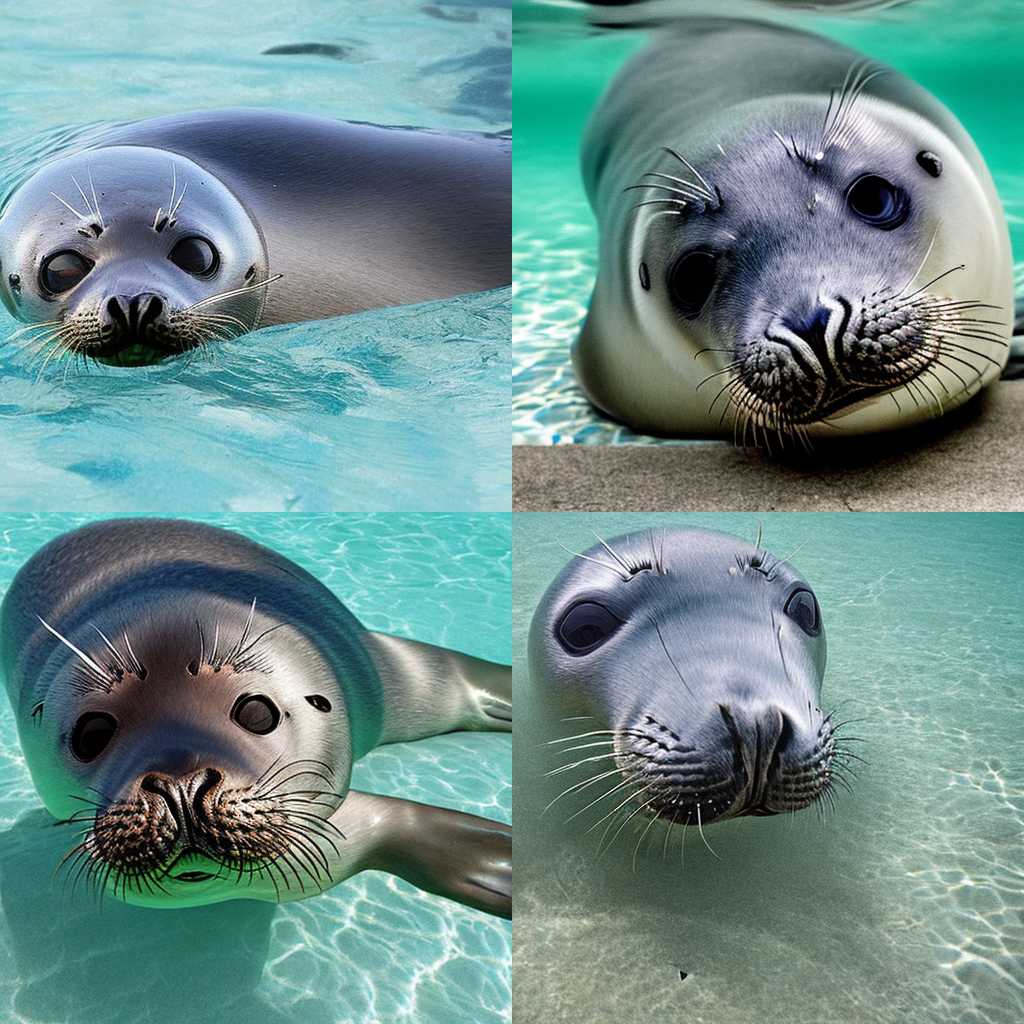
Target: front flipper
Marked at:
430, 690
459, 856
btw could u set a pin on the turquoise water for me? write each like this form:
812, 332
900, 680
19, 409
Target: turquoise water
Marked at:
972, 63
906, 904
373, 948
391, 409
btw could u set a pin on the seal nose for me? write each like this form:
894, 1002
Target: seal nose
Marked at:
131, 317
183, 794
810, 326
760, 738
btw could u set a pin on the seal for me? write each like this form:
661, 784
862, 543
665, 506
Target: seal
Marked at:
193, 702
153, 238
795, 242
689, 665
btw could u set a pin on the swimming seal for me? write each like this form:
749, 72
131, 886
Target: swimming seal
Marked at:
156, 237
688, 665
795, 242
193, 703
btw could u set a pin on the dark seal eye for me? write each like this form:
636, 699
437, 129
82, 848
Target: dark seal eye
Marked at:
585, 626
63, 270
878, 202
92, 732
802, 608
256, 713
691, 279
195, 256
320, 703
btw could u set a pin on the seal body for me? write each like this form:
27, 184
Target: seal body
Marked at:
195, 702
154, 237
687, 666
794, 241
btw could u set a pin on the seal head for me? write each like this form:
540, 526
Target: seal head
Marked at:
197, 765
826, 255
129, 255
694, 663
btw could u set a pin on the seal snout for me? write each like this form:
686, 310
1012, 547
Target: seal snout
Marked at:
127, 321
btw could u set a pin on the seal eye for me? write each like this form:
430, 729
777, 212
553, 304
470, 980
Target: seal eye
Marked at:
194, 255
691, 279
62, 271
320, 703
92, 732
256, 713
878, 202
802, 608
585, 626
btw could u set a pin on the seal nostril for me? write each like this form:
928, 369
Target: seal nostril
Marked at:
153, 783
812, 326
117, 314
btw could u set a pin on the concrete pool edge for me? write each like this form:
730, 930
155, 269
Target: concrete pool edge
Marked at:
978, 465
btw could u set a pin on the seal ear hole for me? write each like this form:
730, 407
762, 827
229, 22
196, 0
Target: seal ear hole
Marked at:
802, 608
645, 277
585, 627
691, 280
930, 162
92, 733
320, 703
256, 714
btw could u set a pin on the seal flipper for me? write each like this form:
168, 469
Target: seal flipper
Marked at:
430, 690
459, 856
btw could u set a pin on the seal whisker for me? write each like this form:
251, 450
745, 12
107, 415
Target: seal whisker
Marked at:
233, 292
707, 189
601, 852
582, 761
643, 836
577, 786
605, 565
96, 202
98, 672
80, 216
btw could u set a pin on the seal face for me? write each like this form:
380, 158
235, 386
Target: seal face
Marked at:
129, 254
805, 239
693, 662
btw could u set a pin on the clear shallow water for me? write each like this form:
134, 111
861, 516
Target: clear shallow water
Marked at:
389, 409
972, 65
906, 904
373, 948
